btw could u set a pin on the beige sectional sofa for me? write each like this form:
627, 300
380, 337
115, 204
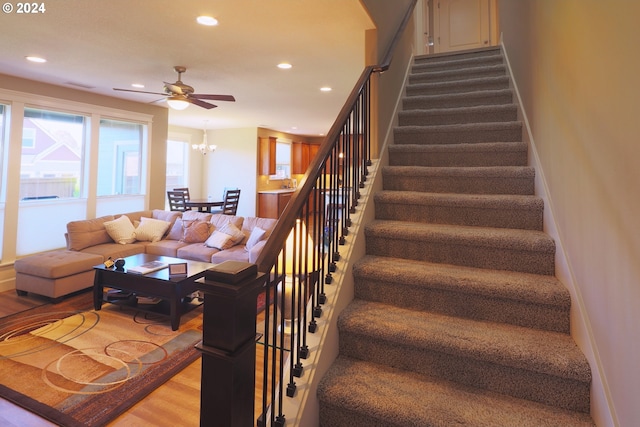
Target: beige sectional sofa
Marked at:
189, 235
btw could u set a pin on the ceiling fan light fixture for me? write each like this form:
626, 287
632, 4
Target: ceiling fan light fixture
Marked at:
177, 102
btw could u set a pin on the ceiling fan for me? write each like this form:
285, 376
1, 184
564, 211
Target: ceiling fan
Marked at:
180, 95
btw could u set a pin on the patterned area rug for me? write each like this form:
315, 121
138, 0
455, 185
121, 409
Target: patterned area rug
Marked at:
85, 367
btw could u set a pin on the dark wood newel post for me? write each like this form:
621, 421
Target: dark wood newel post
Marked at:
228, 344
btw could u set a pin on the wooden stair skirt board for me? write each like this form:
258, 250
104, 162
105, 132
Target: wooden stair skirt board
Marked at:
457, 317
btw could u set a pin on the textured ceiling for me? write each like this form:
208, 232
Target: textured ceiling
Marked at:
96, 45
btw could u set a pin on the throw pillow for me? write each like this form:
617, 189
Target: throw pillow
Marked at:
151, 230
195, 231
236, 234
176, 231
121, 230
256, 235
219, 240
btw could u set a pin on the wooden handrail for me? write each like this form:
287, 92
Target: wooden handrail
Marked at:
386, 60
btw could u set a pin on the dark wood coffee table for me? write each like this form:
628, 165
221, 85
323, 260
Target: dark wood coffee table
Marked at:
157, 284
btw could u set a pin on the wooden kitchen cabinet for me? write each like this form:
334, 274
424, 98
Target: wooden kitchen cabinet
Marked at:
303, 153
267, 156
300, 154
271, 205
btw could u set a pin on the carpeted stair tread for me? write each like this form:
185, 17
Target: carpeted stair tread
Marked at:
483, 52
526, 240
446, 116
479, 97
546, 352
538, 301
363, 394
495, 171
457, 86
459, 133
421, 76
527, 251
479, 180
535, 288
488, 210
456, 62
450, 155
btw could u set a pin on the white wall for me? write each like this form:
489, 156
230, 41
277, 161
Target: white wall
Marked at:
576, 65
233, 164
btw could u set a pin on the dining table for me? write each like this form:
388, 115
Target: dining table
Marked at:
203, 205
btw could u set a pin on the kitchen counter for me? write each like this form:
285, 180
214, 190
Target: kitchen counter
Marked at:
277, 191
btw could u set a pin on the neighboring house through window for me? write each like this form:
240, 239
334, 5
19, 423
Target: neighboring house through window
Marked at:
52, 151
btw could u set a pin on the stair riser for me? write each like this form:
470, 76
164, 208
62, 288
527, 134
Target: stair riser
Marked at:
494, 216
462, 100
458, 159
520, 383
453, 252
464, 185
456, 87
461, 304
443, 76
457, 117
465, 135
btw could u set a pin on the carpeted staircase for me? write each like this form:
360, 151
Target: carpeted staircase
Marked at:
457, 317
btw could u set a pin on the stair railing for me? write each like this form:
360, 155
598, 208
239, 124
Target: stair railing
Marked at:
303, 250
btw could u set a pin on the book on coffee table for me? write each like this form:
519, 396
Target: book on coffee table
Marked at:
147, 267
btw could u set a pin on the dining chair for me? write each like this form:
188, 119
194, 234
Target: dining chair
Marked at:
230, 206
224, 194
176, 201
185, 190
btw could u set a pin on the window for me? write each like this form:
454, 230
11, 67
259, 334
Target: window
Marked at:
283, 160
52, 151
120, 157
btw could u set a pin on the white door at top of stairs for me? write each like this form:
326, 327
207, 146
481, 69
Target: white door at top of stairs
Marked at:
461, 25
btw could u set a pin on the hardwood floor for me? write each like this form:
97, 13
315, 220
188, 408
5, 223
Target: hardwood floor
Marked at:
11, 303
175, 403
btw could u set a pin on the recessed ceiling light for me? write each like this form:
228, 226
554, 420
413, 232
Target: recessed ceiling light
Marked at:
325, 89
137, 85
284, 65
36, 59
207, 20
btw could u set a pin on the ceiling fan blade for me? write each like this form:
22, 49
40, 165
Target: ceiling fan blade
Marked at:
139, 91
202, 104
213, 97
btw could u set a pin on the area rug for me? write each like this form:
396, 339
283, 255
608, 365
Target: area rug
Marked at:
84, 368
